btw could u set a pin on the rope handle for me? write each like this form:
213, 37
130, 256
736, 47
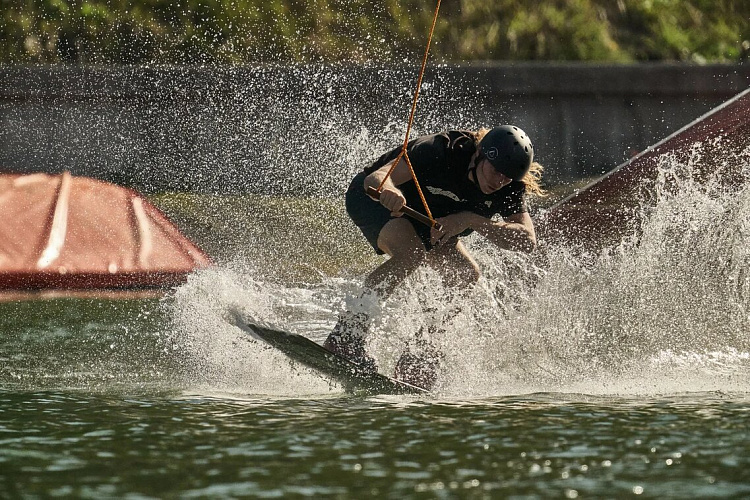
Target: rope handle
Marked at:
410, 212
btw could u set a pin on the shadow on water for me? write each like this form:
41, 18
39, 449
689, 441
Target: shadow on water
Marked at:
87, 344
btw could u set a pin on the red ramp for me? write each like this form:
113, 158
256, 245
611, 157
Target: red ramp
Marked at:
605, 209
77, 233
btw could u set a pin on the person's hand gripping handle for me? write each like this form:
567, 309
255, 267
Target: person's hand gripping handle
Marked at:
409, 212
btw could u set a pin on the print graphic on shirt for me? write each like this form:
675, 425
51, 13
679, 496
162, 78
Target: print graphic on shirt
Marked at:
443, 192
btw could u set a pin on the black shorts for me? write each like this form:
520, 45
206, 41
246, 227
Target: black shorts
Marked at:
370, 216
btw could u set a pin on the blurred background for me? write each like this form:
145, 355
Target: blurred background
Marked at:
284, 31
215, 96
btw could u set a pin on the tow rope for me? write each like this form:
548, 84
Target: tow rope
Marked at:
403, 154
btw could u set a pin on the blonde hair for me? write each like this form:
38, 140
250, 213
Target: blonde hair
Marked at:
533, 178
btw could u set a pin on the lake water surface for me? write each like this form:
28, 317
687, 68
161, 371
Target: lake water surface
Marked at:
146, 444
565, 374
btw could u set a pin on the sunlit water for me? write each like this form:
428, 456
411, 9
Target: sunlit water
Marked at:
664, 311
84, 444
567, 373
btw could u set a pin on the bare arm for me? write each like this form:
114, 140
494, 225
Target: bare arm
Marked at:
390, 197
516, 232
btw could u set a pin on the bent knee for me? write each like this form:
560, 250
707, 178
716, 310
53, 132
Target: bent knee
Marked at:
467, 275
399, 239
458, 272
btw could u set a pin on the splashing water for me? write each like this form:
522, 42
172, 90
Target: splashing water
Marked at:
665, 311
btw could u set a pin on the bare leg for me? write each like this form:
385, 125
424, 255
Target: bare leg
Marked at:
399, 240
420, 363
456, 266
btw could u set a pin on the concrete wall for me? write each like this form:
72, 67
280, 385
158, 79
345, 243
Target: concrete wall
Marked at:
310, 128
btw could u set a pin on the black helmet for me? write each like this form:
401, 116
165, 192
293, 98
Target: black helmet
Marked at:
509, 150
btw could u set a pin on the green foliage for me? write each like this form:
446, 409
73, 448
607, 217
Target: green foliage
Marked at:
241, 31
697, 30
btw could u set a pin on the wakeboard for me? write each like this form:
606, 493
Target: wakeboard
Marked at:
351, 376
